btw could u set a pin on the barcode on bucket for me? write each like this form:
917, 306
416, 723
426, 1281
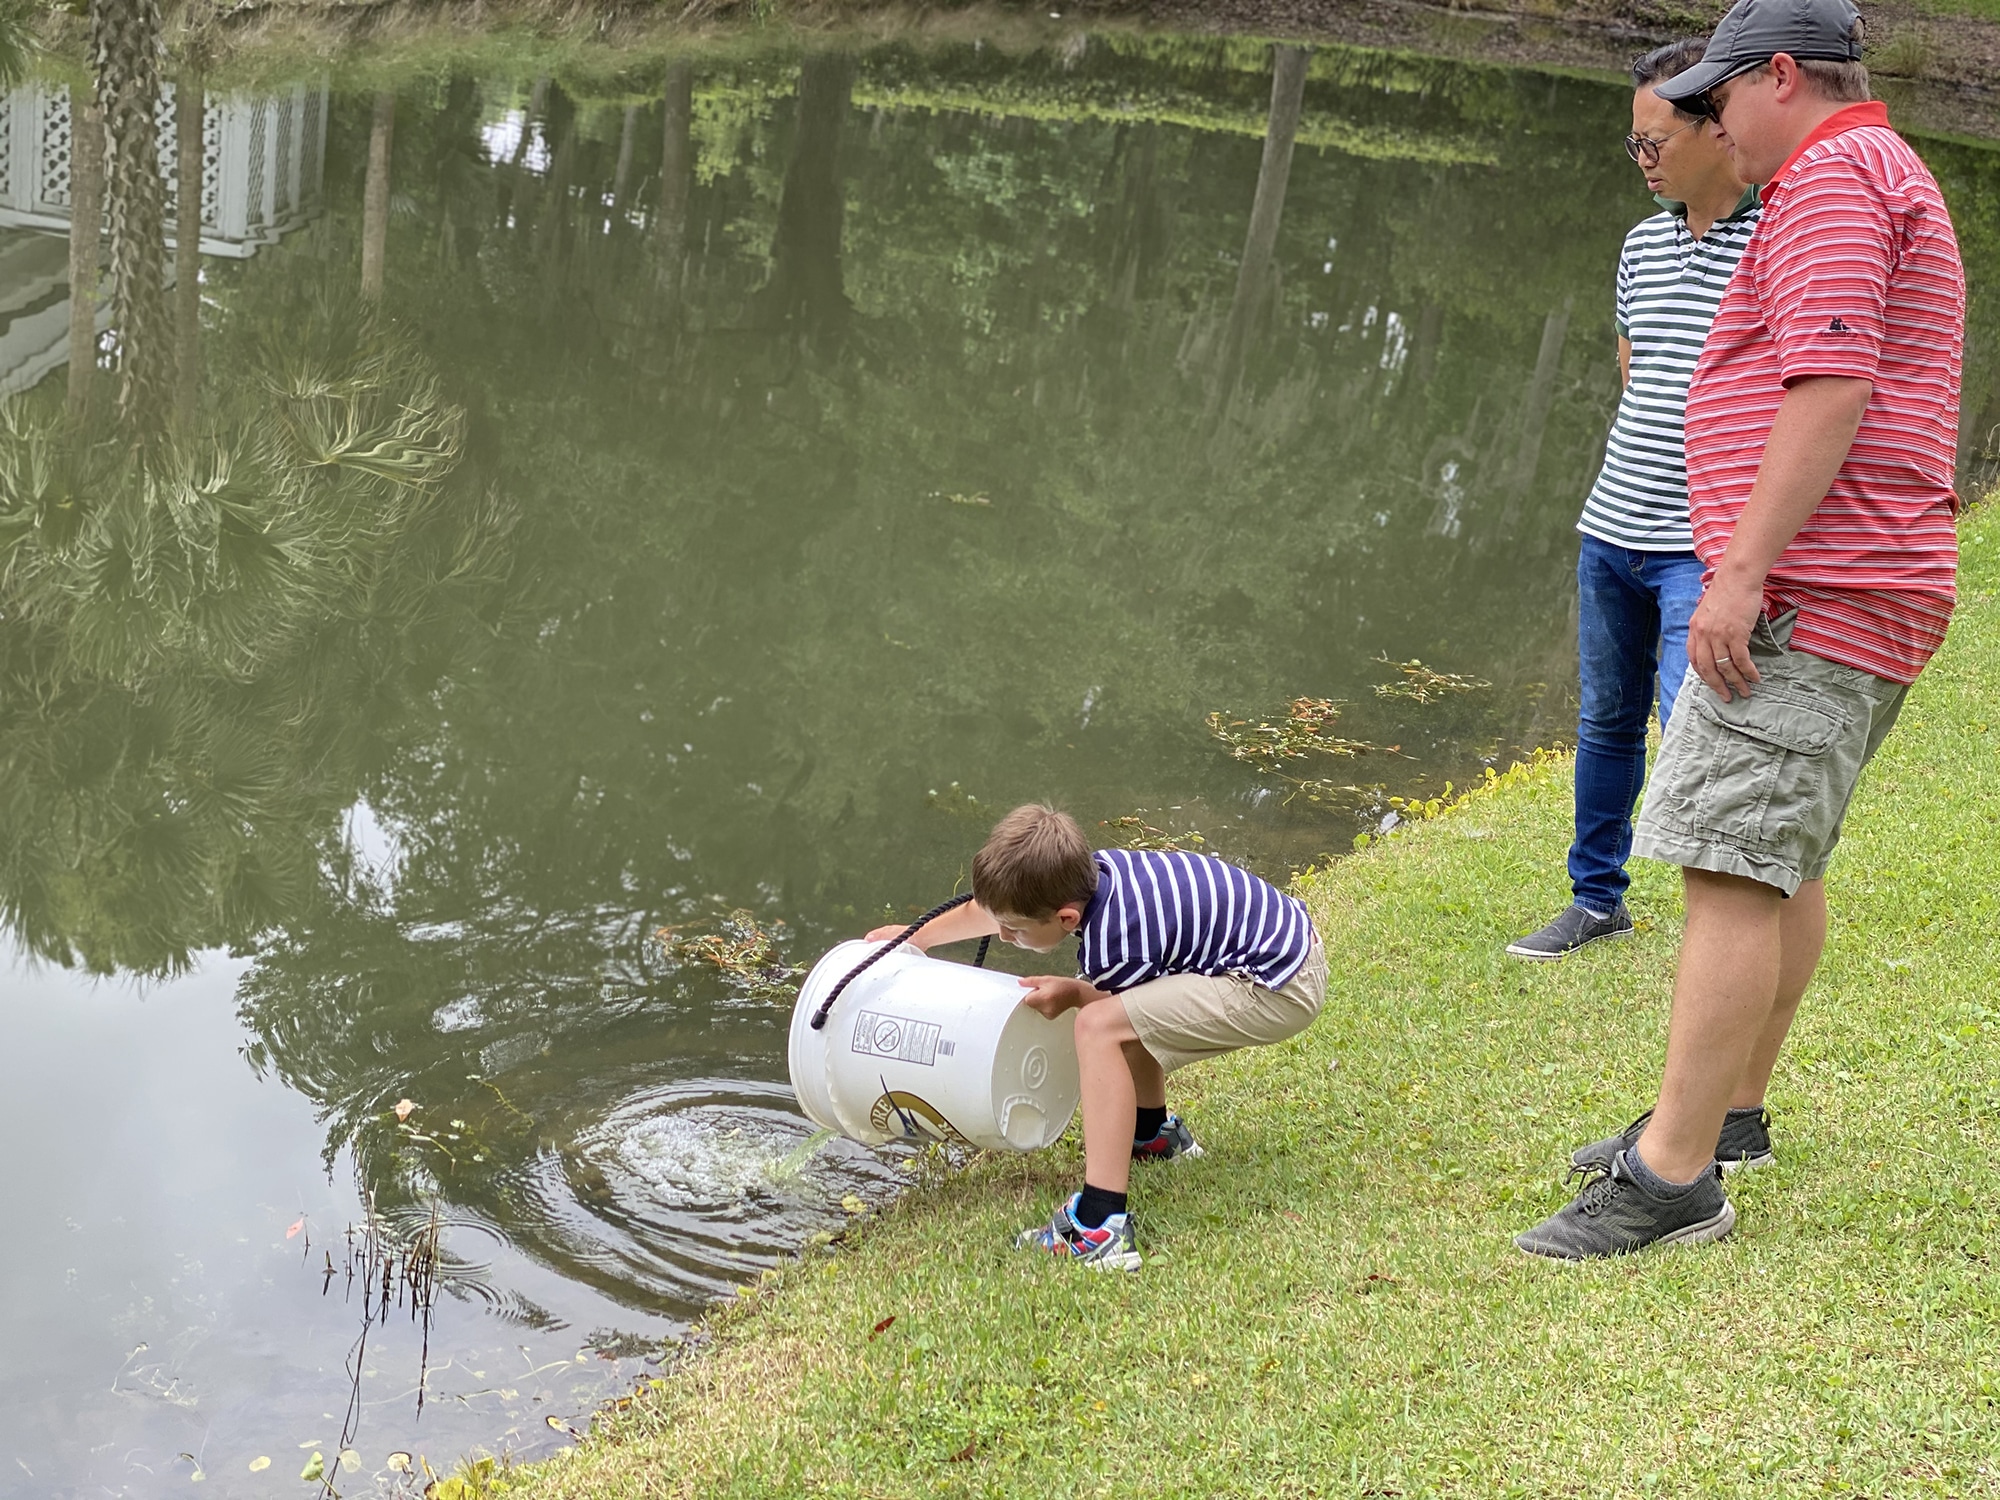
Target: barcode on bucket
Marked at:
877, 1035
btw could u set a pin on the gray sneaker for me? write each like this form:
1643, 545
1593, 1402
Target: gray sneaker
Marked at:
1745, 1142
1613, 1215
1574, 929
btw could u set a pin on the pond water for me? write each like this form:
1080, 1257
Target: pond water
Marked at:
775, 466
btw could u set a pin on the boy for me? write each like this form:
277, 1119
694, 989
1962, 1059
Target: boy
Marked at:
1181, 957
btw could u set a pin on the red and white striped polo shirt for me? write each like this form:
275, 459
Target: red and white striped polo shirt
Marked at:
1854, 271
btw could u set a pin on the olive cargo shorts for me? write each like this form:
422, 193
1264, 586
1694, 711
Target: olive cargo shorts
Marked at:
1184, 1018
1758, 787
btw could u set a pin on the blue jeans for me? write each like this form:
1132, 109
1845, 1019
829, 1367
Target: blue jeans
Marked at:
1632, 626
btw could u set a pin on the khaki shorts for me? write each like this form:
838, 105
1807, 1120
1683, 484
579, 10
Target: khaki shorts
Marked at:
1759, 787
1184, 1018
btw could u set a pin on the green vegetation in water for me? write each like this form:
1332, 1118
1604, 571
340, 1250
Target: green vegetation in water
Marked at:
739, 947
1338, 796
1134, 832
1420, 684
795, 1161
1331, 1302
1306, 730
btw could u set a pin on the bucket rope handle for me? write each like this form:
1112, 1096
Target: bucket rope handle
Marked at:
978, 962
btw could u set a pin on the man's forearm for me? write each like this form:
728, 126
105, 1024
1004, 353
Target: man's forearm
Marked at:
1810, 439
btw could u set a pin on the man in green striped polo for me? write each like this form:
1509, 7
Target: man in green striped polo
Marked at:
1638, 579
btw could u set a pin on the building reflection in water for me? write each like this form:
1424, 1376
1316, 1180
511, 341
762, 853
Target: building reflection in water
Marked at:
263, 165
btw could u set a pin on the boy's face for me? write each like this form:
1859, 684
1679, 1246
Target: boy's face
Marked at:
1039, 934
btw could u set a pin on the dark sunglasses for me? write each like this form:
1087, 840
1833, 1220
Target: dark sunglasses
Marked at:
1708, 105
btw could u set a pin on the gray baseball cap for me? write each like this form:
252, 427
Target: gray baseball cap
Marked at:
1755, 31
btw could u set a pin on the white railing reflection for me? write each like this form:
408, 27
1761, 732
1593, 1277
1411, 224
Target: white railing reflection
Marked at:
263, 166
262, 163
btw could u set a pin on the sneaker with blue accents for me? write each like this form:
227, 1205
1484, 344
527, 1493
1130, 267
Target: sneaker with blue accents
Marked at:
1110, 1247
1174, 1140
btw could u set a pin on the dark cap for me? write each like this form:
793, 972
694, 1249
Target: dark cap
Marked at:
1755, 31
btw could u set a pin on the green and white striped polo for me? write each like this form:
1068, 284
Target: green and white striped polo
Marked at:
1669, 286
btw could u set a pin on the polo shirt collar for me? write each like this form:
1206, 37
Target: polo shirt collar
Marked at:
1679, 210
1874, 112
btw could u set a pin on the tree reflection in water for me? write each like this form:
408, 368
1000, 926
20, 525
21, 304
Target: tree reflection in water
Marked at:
200, 638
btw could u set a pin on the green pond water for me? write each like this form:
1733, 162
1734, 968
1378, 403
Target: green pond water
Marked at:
798, 459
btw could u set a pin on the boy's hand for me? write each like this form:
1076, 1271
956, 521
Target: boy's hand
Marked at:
883, 934
1052, 994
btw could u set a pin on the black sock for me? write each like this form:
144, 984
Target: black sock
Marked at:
1152, 1120
1094, 1206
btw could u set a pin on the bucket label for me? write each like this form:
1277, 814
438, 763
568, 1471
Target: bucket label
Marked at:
877, 1035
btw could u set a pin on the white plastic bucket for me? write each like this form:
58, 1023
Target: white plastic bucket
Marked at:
918, 1049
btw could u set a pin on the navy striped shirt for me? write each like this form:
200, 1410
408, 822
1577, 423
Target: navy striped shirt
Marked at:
1155, 914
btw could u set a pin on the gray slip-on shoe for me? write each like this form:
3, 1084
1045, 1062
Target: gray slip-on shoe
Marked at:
1576, 928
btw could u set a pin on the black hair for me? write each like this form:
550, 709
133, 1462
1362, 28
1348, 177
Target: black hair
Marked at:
1667, 62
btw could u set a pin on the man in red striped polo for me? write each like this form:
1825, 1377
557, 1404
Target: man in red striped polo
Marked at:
1821, 451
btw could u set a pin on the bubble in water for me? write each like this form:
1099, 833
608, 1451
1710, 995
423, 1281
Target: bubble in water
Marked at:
700, 1156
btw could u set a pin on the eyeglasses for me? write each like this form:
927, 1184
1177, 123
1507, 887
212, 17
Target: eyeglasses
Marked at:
1646, 151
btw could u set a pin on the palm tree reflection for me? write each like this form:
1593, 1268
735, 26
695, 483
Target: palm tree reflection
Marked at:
197, 635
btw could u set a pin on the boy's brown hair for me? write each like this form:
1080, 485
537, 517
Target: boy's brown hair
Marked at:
1035, 860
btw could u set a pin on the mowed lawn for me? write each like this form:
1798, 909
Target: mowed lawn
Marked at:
1332, 1305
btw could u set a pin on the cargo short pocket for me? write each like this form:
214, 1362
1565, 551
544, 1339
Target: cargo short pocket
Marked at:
1767, 770
1265, 1016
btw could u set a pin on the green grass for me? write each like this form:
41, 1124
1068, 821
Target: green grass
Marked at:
1332, 1305
1985, 10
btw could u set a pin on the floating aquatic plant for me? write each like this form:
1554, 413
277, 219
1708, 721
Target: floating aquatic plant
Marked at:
1420, 684
738, 947
1344, 796
1306, 729
1136, 833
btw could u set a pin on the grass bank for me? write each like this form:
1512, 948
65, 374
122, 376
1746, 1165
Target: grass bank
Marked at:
1332, 1306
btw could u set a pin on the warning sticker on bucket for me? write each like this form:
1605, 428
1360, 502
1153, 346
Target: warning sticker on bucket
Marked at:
877, 1035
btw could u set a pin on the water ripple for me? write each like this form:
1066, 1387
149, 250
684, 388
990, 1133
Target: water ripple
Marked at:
681, 1190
